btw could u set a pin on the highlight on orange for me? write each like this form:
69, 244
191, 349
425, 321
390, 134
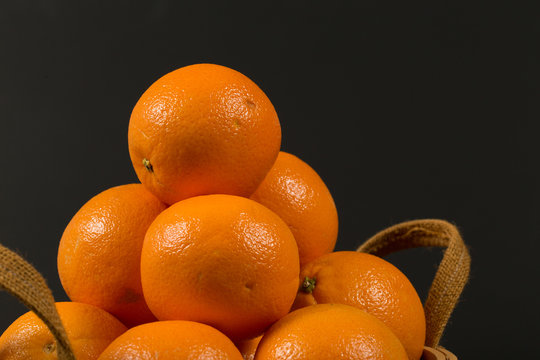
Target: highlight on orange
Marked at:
203, 129
369, 283
223, 260
330, 331
100, 252
89, 330
248, 347
171, 340
294, 191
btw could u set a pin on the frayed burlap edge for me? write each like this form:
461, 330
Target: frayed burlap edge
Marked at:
21, 280
451, 276
24, 282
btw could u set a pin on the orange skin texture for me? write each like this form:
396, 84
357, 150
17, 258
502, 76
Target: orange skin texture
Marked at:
294, 191
222, 260
89, 329
370, 284
100, 251
329, 332
205, 129
248, 347
172, 340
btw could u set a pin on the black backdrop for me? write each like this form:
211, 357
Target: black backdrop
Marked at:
405, 110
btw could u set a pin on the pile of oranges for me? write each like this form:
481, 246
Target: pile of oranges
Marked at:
223, 251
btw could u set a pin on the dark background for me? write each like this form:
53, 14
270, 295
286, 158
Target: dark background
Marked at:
407, 110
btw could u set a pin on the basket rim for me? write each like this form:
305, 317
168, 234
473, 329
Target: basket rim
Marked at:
437, 354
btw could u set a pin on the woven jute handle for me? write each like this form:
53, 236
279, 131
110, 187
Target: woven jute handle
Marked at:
23, 281
451, 276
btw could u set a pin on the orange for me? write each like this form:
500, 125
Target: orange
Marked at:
89, 329
329, 332
172, 340
203, 129
222, 260
294, 191
370, 284
248, 347
100, 252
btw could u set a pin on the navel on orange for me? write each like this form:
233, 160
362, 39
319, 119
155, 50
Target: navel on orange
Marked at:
89, 329
370, 284
222, 260
203, 129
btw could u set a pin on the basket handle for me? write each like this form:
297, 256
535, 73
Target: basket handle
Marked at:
451, 276
24, 282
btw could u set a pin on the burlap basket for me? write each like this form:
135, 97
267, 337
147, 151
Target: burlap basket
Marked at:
23, 281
